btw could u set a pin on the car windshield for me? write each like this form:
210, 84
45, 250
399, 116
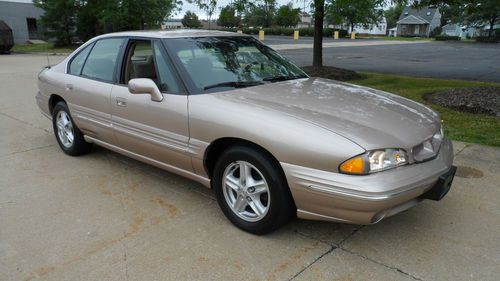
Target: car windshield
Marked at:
223, 63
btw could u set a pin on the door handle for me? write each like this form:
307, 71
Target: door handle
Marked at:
69, 87
121, 102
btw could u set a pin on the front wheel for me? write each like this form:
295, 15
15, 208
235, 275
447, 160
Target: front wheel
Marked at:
68, 136
252, 191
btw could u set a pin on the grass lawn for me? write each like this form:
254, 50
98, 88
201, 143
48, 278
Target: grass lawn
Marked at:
474, 128
40, 48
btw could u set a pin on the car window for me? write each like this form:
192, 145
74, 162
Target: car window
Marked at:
218, 62
145, 60
76, 64
101, 61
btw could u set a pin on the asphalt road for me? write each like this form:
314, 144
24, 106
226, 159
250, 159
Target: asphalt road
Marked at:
447, 60
103, 216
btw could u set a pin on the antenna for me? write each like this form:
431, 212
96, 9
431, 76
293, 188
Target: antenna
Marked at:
48, 61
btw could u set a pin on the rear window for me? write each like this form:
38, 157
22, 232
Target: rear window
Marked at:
76, 64
101, 61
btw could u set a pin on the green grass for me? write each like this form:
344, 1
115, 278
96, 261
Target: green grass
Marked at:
41, 48
474, 128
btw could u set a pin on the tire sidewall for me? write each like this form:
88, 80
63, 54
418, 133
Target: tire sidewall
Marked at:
73, 149
279, 203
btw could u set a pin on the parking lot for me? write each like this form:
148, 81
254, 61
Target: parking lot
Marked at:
447, 60
106, 217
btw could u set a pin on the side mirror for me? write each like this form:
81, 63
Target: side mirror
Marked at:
145, 86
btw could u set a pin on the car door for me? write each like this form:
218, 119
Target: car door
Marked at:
91, 75
157, 130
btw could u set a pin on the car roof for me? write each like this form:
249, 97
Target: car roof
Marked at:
180, 33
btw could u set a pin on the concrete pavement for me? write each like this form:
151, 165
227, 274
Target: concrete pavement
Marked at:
107, 217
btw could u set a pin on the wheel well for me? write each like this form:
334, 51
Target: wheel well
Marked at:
217, 147
53, 100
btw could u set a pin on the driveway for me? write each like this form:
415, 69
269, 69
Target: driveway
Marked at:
447, 60
107, 217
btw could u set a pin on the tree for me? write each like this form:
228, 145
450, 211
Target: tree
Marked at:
393, 13
359, 12
319, 16
476, 13
191, 20
483, 12
287, 16
59, 19
227, 17
262, 14
145, 14
208, 6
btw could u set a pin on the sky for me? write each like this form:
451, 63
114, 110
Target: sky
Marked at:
221, 3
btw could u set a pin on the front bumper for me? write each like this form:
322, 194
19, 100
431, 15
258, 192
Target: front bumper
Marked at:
322, 195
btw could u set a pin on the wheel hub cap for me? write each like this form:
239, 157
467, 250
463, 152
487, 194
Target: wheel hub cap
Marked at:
246, 191
65, 131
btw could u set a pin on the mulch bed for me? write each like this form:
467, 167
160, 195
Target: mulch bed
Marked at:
479, 100
330, 72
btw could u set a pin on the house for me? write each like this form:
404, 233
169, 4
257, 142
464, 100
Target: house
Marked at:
418, 22
454, 29
306, 20
23, 17
379, 28
393, 31
172, 24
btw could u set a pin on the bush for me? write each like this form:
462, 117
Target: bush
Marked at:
436, 32
486, 39
285, 31
447, 38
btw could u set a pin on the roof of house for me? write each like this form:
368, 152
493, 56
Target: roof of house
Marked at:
450, 27
417, 16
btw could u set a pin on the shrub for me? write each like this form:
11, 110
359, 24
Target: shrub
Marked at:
447, 38
305, 31
436, 32
486, 39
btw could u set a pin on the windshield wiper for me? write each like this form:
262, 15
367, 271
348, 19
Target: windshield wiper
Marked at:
283, 78
234, 84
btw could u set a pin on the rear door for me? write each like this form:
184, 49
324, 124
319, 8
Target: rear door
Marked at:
156, 130
92, 73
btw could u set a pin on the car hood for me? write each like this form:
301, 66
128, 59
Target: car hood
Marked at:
373, 119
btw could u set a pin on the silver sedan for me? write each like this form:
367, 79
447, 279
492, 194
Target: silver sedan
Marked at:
229, 112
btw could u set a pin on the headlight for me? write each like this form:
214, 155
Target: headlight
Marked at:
374, 161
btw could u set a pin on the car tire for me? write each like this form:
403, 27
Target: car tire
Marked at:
68, 136
259, 202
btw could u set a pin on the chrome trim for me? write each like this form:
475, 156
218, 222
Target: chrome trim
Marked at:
204, 181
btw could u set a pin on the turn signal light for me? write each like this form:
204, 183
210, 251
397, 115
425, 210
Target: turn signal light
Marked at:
355, 165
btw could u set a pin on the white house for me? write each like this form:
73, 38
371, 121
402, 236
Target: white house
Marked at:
371, 29
172, 24
306, 20
454, 29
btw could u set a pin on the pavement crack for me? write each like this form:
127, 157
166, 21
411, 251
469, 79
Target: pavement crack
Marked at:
460, 151
332, 248
27, 150
24, 122
380, 263
350, 235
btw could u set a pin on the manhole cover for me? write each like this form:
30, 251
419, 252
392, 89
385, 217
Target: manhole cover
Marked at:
468, 172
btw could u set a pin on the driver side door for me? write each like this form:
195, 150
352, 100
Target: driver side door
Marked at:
154, 130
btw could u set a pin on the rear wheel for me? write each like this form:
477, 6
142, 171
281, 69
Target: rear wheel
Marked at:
252, 190
69, 137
